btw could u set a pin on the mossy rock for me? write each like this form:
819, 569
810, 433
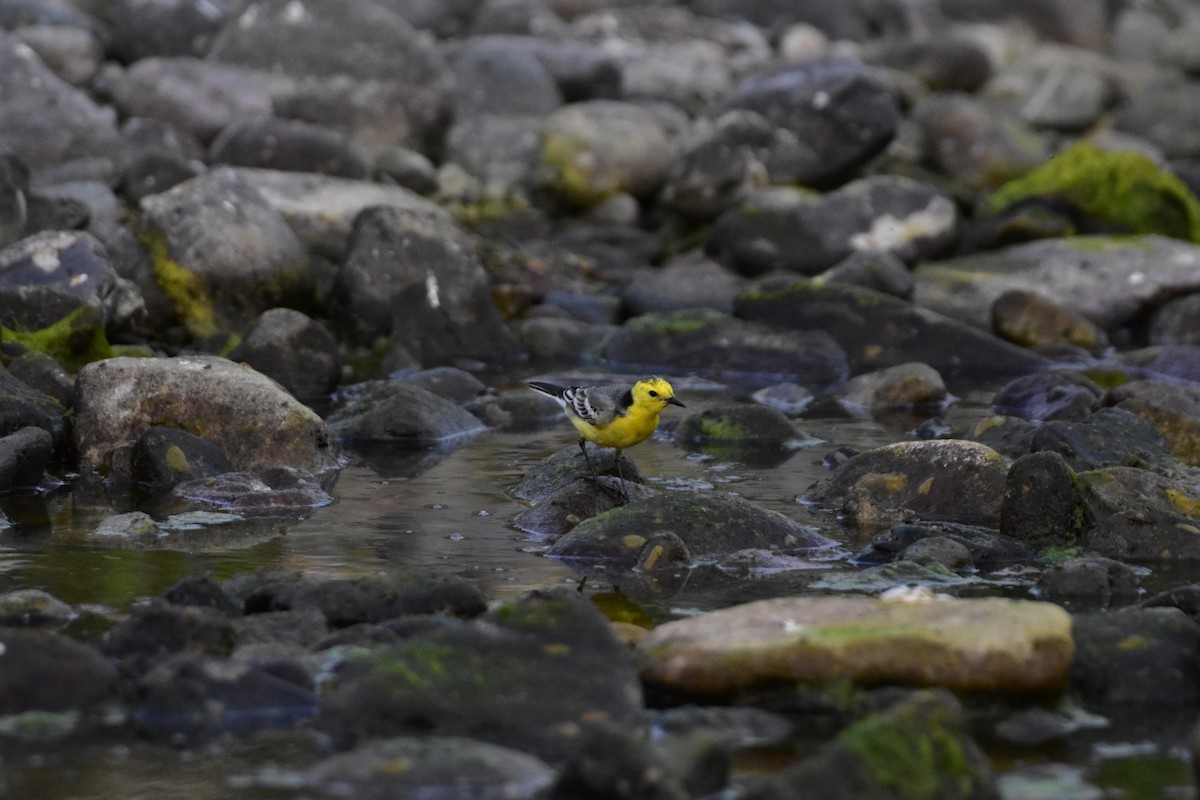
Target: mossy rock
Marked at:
75, 340
1120, 191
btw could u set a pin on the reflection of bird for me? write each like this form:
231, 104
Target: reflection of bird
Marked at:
616, 416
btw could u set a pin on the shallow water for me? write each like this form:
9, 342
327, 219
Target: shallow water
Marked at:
452, 514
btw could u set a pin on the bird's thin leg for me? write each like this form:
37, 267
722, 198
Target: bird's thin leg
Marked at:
588, 459
620, 475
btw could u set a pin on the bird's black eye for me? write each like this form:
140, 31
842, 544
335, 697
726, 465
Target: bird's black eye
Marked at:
653, 393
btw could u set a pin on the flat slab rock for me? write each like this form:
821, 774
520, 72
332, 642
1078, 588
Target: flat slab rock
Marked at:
966, 645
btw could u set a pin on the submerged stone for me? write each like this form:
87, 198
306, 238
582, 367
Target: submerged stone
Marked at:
708, 525
968, 645
45, 671
404, 414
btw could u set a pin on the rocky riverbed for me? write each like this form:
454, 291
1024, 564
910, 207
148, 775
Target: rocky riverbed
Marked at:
278, 518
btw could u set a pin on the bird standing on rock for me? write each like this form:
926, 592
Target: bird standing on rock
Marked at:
615, 415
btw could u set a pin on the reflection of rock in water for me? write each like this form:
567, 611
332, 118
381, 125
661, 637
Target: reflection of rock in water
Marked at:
192, 531
389, 460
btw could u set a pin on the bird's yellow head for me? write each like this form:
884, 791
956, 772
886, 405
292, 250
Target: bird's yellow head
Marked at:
654, 393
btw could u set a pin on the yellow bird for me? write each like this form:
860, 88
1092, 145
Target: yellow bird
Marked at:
616, 416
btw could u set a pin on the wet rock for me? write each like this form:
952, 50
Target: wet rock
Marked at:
1134, 514
557, 513
558, 341
881, 271
14, 199
441, 764
498, 155
1010, 436
756, 434
22, 406
1171, 322
736, 727
530, 673
927, 479
841, 112
1042, 506
939, 551
708, 525
1136, 658
222, 253
498, 76
194, 95
278, 491
45, 671
1174, 363
293, 349
1186, 598
790, 399
157, 630
402, 85
1173, 410
1107, 438
611, 763
406, 168
1092, 580
416, 275
691, 281
136, 31
943, 63
877, 330
44, 374
73, 54
456, 385
1167, 100
564, 467
1030, 320
1061, 394
24, 458
516, 17
322, 209
59, 123
917, 747
33, 608
164, 457
193, 697
252, 420
596, 149
48, 276
201, 590
713, 345
975, 142
1107, 191
402, 413
984, 545
350, 601
272, 143
1111, 281
984, 644
792, 229
904, 386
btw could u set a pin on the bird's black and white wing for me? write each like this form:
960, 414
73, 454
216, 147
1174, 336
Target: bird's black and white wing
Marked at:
596, 405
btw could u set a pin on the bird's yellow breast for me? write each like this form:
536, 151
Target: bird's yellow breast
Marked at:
622, 431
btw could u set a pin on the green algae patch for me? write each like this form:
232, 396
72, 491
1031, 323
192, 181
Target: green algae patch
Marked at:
1121, 190
75, 340
189, 296
916, 750
570, 173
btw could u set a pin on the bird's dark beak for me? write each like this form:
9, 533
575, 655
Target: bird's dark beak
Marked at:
674, 402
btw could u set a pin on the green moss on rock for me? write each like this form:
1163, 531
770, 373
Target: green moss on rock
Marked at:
1120, 189
75, 340
190, 298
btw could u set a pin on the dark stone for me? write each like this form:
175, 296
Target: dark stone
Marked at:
718, 346
287, 144
22, 406
1042, 505
293, 349
44, 374
985, 546
877, 330
164, 457
943, 63
555, 514
939, 551
1109, 437
24, 457
1065, 395
44, 671
155, 631
456, 385
280, 491
529, 674
857, 119
560, 470
403, 413
880, 271
192, 697
136, 30
1011, 436
1186, 598
350, 601
495, 77
611, 763
202, 590
1136, 658
707, 525
755, 434
155, 172
1174, 410
1090, 580
14, 199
